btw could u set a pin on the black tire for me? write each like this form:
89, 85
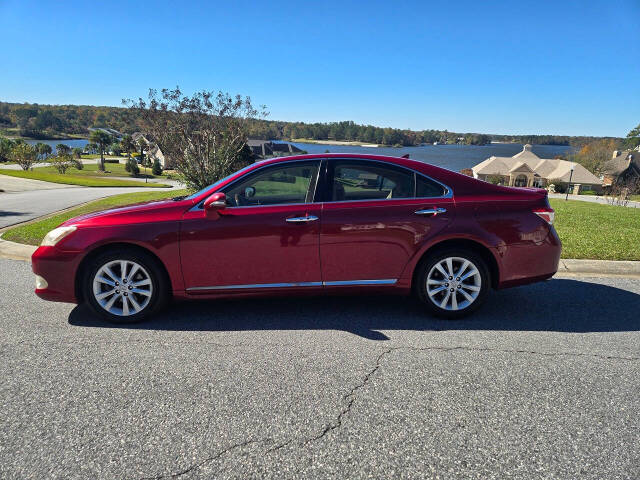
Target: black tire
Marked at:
159, 289
433, 302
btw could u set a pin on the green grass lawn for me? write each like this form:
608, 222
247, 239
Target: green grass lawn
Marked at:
89, 176
111, 170
33, 233
590, 230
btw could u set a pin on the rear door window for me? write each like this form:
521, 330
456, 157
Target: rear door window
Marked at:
362, 180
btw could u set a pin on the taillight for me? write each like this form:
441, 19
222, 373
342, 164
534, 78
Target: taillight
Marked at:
547, 214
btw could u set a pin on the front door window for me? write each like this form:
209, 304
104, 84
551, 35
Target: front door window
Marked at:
277, 185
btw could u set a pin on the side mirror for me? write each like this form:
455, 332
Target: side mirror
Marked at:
215, 203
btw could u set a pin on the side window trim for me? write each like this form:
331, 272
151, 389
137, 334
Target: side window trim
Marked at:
330, 175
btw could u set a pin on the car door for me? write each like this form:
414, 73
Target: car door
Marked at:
377, 215
267, 236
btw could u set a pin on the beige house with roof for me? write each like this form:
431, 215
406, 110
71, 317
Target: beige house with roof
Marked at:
622, 167
526, 169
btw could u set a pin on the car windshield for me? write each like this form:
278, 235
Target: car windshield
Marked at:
213, 185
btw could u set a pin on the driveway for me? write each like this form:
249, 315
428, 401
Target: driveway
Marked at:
541, 383
592, 199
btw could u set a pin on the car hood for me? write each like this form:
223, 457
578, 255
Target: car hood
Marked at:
153, 211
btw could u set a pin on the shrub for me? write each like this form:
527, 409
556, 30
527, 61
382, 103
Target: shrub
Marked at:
62, 162
559, 185
495, 179
77, 163
157, 168
132, 167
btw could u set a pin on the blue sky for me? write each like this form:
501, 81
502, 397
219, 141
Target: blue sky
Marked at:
559, 67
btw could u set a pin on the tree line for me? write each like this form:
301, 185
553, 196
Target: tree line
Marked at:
205, 135
56, 121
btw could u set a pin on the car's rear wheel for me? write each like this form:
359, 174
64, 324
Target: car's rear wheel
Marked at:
124, 286
453, 283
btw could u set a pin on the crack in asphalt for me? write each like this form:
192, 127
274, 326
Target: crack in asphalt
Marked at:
530, 352
351, 396
195, 466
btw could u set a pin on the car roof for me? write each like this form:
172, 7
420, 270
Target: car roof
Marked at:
461, 184
404, 161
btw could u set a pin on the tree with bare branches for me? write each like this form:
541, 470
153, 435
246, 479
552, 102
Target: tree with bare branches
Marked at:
203, 135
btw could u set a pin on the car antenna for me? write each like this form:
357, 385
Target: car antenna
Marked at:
406, 155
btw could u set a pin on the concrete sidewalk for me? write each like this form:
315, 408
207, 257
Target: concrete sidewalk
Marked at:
567, 267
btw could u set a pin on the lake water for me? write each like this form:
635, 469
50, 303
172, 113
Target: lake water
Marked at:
75, 143
451, 157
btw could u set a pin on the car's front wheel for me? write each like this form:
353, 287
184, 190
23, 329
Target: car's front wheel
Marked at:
124, 286
453, 283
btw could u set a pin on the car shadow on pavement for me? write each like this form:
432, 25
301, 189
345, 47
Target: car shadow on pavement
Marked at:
560, 305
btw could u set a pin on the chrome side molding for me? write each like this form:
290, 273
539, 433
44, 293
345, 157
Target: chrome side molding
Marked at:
339, 283
258, 285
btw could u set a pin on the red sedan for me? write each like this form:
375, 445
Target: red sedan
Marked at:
307, 224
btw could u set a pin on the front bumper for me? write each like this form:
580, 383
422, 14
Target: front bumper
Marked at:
58, 269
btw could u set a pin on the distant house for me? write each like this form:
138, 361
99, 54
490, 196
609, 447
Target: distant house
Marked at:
622, 166
266, 148
526, 169
108, 131
153, 151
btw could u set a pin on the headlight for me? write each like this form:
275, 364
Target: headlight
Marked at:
57, 234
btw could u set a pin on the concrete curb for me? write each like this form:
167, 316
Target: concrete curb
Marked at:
599, 267
16, 251
19, 251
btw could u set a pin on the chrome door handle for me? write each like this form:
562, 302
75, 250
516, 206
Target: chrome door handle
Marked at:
308, 218
430, 211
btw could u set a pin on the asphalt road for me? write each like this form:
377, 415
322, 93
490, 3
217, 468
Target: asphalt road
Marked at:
542, 383
17, 207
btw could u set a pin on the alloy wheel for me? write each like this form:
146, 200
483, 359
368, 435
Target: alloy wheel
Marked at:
122, 287
454, 283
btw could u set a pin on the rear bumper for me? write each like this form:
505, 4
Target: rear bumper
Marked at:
531, 263
59, 271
